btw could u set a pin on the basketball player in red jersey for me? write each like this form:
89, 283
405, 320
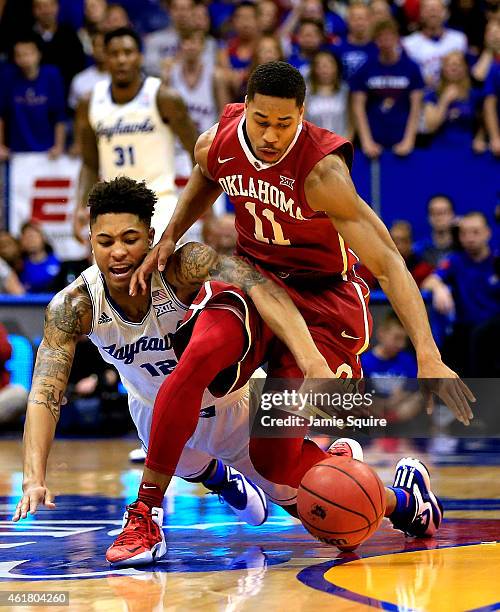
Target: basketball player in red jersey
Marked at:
297, 215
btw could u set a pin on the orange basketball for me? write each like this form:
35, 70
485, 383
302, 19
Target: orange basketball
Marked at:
341, 501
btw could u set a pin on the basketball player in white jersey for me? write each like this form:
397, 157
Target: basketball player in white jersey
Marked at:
128, 127
135, 335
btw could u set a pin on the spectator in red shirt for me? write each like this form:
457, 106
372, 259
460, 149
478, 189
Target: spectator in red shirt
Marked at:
13, 398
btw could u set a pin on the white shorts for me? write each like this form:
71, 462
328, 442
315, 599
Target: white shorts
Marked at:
225, 435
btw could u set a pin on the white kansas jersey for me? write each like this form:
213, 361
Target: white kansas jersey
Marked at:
141, 352
132, 138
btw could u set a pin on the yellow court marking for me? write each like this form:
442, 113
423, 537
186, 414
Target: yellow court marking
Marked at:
452, 579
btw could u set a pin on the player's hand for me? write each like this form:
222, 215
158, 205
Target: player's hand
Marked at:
156, 258
80, 224
34, 496
438, 379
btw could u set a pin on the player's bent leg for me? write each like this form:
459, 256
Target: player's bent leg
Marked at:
141, 540
418, 512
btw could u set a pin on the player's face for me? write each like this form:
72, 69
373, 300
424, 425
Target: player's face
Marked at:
119, 242
124, 60
271, 125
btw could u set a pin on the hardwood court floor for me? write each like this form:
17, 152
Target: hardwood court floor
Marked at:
216, 563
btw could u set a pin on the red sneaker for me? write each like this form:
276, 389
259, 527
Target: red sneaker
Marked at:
141, 540
346, 447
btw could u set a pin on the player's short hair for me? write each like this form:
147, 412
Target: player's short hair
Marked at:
119, 33
277, 79
122, 195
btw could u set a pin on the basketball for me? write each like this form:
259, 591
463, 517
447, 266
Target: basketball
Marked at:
341, 501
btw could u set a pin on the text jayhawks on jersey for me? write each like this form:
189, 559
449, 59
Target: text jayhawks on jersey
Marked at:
237, 185
123, 127
127, 352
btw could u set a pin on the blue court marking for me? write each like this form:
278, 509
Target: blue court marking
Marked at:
470, 504
490, 608
314, 576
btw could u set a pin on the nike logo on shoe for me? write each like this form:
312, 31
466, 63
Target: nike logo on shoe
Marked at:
146, 487
132, 550
223, 161
344, 334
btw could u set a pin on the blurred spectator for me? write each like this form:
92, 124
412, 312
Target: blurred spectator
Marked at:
200, 20
9, 281
268, 49
327, 103
390, 356
237, 56
428, 46
32, 104
41, 267
163, 45
195, 80
116, 17
441, 217
380, 10
333, 24
492, 107
390, 368
466, 287
220, 233
10, 251
267, 16
490, 52
84, 81
358, 46
94, 401
13, 398
468, 16
451, 111
59, 43
401, 233
310, 39
94, 16
387, 96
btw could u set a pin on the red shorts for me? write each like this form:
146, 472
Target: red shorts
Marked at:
334, 309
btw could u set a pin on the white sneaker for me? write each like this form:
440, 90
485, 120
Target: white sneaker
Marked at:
245, 498
138, 455
346, 447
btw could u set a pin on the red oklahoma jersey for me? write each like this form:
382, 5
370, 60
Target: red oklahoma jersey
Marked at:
275, 224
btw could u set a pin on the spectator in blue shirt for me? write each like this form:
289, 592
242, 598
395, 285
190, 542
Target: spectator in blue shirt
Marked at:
466, 286
451, 111
492, 107
387, 96
32, 105
357, 47
441, 217
41, 267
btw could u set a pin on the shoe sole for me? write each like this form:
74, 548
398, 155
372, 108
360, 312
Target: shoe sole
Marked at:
354, 445
145, 558
421, 468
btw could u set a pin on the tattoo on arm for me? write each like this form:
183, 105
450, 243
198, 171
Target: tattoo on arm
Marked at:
198, 262
65, 320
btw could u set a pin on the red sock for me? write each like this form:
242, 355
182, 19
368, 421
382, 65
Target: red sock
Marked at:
217, 342
151, 494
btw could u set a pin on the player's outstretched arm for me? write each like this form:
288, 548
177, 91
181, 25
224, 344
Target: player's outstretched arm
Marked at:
370, 239
195, 263
67, 317
197, 197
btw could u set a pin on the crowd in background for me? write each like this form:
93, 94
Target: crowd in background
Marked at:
388, 75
